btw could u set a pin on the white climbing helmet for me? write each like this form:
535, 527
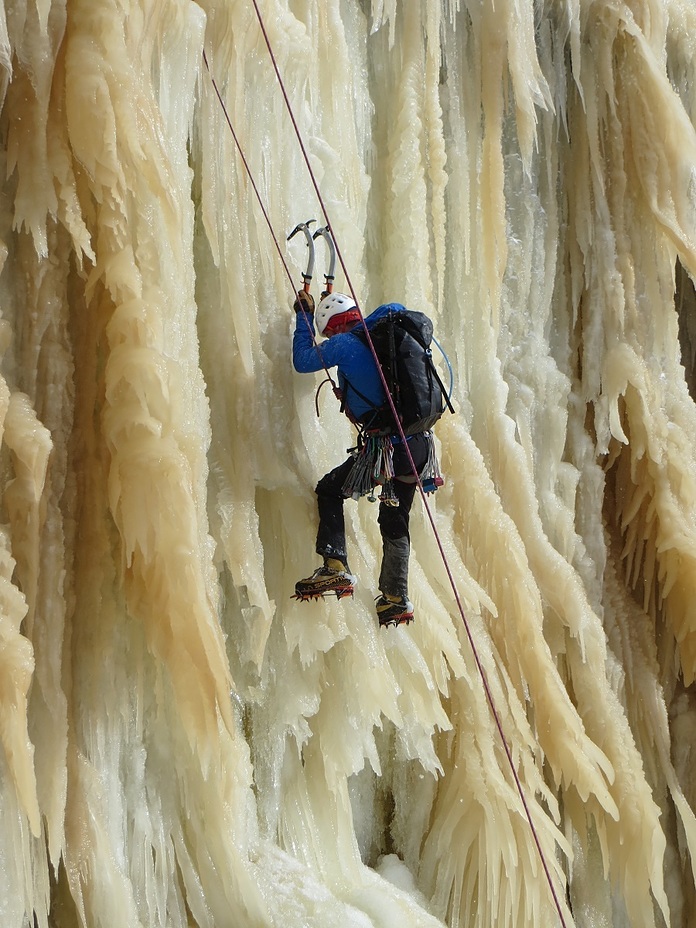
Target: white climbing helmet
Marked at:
334, 304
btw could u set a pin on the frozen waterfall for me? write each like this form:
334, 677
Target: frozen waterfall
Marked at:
181, 743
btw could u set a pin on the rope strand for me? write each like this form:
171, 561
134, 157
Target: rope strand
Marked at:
248, 170
479, 665
266, 217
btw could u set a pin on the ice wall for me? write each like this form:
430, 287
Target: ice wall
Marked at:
182, 744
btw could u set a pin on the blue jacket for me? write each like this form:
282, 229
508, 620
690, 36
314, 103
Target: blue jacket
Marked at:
356, 365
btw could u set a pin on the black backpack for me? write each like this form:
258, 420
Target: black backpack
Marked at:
402, 340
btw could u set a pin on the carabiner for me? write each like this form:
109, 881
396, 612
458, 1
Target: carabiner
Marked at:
306, 275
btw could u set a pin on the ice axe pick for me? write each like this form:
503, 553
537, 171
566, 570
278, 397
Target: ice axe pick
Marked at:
306, 275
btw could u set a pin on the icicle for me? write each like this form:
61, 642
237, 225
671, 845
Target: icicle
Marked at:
179, 740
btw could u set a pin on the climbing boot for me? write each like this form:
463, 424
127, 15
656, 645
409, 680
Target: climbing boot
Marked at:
393, 610
331, 578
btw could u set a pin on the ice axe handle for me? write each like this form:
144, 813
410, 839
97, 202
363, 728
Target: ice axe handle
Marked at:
329, 278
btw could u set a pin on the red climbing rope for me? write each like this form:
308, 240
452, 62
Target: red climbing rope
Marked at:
265, 214
482, 673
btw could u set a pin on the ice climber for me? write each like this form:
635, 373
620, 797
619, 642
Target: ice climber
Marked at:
361, 392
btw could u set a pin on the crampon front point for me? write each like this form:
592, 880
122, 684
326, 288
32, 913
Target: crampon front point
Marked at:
404, 620
308, 595
393, 613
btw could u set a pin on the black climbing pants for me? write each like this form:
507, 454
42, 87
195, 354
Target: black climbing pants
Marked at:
393, 520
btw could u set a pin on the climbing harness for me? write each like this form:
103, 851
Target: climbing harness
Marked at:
384, 454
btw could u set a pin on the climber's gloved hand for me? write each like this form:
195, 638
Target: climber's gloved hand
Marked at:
304, 302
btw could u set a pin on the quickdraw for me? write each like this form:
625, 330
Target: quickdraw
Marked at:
373, 466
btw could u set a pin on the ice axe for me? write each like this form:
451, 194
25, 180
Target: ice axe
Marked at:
325, 232
306, 275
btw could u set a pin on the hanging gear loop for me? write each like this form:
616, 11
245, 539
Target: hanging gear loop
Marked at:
306, 275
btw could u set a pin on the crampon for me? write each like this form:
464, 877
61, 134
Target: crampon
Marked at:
325, 581
393, 613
